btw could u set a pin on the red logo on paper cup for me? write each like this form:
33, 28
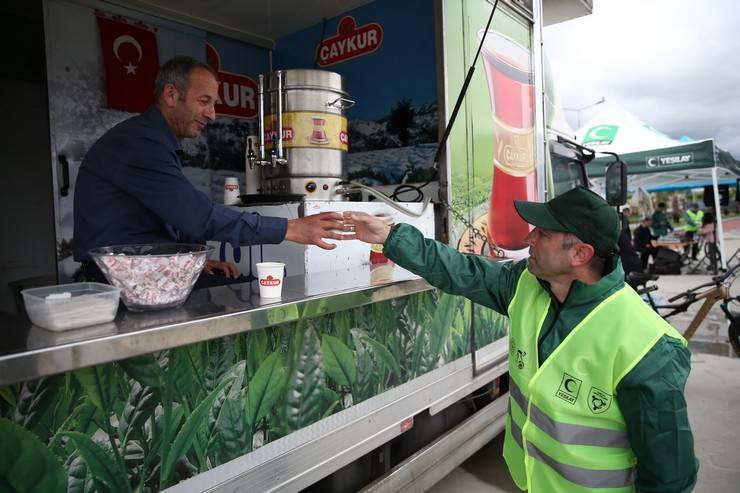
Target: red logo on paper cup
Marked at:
231, 187
269, 281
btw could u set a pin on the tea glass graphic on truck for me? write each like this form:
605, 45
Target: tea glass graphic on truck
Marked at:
510, 84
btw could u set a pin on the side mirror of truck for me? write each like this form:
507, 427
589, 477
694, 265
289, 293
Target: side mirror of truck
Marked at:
616, 183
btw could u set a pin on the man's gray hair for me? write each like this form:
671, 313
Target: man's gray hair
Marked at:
596, 264
176, 71
570, 240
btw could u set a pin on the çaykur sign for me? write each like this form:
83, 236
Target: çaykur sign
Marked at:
237, 94
351, 41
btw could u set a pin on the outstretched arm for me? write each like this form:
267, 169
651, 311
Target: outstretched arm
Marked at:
313, 229
482, 280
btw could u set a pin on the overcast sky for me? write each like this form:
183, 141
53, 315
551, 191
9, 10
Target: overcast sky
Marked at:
675, 64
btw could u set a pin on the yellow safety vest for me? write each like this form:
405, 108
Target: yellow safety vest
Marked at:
565, 432
696, 217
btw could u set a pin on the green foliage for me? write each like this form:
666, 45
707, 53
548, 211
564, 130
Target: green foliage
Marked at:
26, 465
264, 388
145, 370
338, 360
229, 433
78, 477
304, 403
160, 418
139, 407
187, 433
383, 356
35, 405
107, 474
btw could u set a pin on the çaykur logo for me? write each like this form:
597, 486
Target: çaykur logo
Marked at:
237, 93
270, 281
601, 135
351, 41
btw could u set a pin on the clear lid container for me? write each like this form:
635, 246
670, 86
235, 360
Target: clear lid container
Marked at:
69, 306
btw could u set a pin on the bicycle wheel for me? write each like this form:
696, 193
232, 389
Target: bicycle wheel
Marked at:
734, 334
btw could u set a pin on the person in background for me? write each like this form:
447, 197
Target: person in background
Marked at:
624, 217
661, 225
643, 241
693, 218
596, 377
131, 188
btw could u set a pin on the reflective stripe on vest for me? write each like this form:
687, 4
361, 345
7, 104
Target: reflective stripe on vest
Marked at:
566, 432
588, 478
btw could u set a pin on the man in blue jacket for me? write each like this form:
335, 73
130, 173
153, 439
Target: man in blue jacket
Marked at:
131, 189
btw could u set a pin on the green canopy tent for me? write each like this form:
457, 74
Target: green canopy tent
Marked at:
653, 158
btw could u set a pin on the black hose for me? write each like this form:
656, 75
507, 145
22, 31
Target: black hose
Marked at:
445, 136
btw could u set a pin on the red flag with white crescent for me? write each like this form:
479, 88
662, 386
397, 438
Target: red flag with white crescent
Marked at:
131, 62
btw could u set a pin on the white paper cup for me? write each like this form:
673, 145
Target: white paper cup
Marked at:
231, 190
270, 278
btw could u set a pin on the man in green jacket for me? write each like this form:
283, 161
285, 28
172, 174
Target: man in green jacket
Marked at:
661, 224
596, 378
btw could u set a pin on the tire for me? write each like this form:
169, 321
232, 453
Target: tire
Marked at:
734, 334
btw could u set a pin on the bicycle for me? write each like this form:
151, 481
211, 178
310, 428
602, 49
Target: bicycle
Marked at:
717, 290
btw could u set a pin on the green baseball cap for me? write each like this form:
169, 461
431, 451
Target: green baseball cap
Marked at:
579, 211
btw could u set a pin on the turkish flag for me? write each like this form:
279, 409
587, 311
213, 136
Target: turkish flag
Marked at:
131, 63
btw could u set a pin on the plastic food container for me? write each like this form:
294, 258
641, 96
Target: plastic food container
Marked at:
68, 306
152, 276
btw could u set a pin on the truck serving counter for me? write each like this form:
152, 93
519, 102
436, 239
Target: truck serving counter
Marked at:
255, 395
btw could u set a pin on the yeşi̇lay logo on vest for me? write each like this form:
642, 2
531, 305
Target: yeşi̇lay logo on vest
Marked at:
601, 135
569, 388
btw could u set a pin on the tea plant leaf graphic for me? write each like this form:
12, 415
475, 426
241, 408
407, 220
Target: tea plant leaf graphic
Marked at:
256, 349
78, 477
342, 324
264, 388
220, 359
138, 408
441, 325
303, 404
97, 381
103, 468
187, 433
7, 395
180, 373
234, 437
228, 431
35, 405
331, 401
26, 464
384, 356
368, 373
338, 360
145, 370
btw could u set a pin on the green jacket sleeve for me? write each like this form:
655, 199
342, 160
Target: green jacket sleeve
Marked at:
484, 281
651, 398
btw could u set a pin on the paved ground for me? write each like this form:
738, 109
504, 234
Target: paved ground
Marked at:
712, 393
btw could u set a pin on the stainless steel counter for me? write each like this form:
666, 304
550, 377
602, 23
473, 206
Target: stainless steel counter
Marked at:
28, 352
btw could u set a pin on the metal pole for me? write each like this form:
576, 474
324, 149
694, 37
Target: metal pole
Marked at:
720, 229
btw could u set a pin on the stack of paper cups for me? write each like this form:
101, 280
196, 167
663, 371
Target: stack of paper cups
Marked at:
270, 278
231, 190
